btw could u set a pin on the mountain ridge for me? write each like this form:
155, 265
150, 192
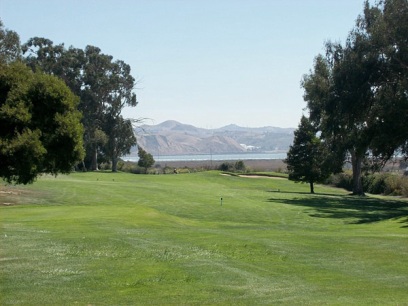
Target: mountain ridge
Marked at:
175, 138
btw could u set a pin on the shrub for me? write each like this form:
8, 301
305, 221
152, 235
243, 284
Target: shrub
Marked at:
404, 186
393, 185
183, 170
377, 183
341, 180
127, 166
153, 171
239, 166
105, 166
168, 170
226, 167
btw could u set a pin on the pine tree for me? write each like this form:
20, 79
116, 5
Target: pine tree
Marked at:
305, 158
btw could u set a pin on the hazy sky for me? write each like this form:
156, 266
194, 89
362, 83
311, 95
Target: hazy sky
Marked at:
203, 62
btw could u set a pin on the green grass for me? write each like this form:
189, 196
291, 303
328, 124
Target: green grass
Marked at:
123, 239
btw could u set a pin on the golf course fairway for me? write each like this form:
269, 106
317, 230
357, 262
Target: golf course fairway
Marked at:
203, 238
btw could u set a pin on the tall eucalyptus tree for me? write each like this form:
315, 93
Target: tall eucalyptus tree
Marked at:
104, 86
357, 93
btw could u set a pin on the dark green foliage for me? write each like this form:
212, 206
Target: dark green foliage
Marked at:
10, 49
40, 128
342, 180
238, 166
121, 138
146, 160
40, 114
339, 98
305, 158
377, 183
226, 166
356, 93
386, 30
104, 86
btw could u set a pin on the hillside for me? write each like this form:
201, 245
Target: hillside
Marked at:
175, 138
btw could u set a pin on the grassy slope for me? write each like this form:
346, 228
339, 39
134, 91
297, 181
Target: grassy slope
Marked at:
102, 238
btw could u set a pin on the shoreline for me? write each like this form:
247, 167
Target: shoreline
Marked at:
253, 164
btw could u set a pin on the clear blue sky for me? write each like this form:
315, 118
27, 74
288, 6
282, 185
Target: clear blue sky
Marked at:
203, 62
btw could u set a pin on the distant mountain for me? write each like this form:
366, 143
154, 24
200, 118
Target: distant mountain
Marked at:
171, 126
237, 128
175, 138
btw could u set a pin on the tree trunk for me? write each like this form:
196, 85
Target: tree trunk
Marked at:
311, 187
83, 166
114, 164
113, 154
356, 162
94, 164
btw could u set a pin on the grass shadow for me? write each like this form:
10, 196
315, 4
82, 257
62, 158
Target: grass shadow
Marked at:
303, 192
355, 210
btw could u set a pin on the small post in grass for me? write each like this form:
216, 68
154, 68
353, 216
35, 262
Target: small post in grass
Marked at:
221, 201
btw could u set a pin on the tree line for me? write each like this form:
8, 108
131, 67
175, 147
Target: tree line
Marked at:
357, 99
60, 107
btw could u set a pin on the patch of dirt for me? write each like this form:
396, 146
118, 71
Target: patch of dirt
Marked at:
12, 195
263, 176
255, 176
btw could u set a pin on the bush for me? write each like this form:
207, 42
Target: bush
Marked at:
105, 166
377, 183
341, 180
395, 185
404, 186
127, 166
226, 167
239, 166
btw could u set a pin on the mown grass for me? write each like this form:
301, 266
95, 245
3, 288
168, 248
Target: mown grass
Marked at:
123, 239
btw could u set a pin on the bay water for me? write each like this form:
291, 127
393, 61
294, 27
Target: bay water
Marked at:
204, 157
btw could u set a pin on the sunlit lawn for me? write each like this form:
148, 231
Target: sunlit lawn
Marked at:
123, 239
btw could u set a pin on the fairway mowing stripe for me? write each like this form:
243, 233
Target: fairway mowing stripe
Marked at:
168, 251
253, 284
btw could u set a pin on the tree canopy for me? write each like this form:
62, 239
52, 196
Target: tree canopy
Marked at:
104, 87
305, 160
10, 48
356, 93
146, 159
57, 103
40, 129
